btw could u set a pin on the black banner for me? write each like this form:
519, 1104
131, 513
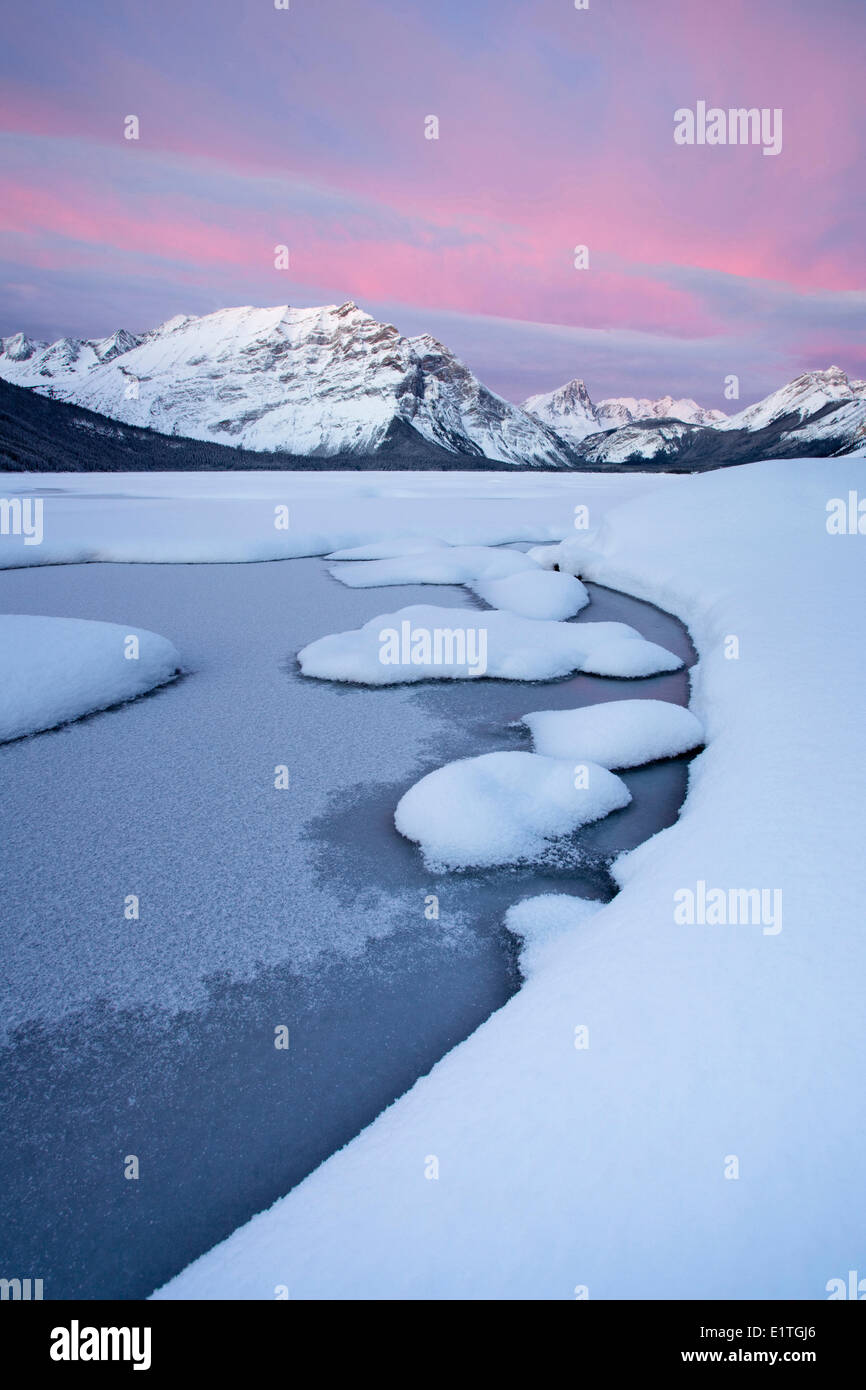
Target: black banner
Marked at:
167, 1338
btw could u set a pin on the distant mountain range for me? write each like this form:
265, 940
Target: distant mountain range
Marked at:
333, 387
570, 412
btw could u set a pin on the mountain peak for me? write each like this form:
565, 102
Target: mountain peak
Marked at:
119, 342
805, 396
18, 348
317, 381
570, 411
171, 325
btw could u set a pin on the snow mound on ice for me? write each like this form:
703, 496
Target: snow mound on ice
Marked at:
620, 733
626, 658
502, 808
57, 669
512, 647
540, 594
544, 919
458, 564
506, 579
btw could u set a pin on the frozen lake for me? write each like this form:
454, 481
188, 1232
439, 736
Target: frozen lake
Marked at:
258, 908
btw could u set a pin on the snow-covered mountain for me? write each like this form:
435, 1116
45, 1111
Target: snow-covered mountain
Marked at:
806, 398
619, 411
29, 363
315, 382
659, 443
570, 412
819, 413
334, 382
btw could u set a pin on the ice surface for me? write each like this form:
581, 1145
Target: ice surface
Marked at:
57, 669
163, 795
503, 808
620, 733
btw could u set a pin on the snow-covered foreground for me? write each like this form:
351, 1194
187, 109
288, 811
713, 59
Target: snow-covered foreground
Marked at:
57, 669
256, 904
672, 1105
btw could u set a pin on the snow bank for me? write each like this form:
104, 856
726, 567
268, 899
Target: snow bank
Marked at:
542, 920
706, 1144
57, 669
503, 808
620, 733
424, 642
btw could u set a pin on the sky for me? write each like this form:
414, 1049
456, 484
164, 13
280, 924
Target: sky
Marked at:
305, 127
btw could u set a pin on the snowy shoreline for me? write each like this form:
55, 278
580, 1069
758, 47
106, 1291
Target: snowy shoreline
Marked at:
698, 1054
710, 1042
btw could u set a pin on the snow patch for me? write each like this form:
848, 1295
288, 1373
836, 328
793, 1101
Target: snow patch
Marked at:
503, 808
515, 648
58, 669
542, 594
459, 564
619, 733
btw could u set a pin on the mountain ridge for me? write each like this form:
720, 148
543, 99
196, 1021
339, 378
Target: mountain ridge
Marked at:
321, 382
570, 411
333, 383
